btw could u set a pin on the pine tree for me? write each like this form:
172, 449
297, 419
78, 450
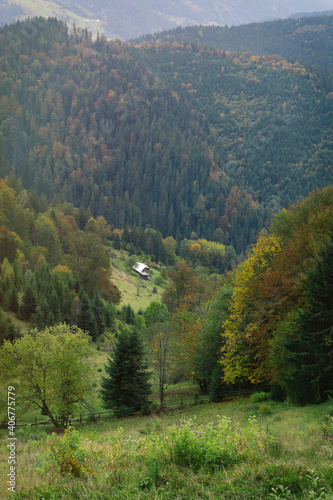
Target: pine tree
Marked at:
129, 315
126, 387
216, 386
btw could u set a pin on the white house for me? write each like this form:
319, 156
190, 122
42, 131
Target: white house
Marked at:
142, 269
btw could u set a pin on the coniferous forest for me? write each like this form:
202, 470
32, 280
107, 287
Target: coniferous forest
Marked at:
179, 147
206, 154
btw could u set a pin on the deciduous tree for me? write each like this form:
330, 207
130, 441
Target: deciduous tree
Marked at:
50, 370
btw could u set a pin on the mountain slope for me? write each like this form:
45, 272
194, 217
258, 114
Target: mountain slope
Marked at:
308, 40
187, 140
126, 19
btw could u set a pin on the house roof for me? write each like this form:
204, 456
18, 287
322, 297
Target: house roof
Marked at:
140, 267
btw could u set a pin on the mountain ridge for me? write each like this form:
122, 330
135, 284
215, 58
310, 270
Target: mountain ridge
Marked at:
181, 138
127, 19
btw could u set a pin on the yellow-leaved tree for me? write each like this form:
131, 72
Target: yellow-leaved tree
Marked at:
244, 353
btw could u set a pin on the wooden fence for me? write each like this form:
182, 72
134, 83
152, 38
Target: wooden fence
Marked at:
182, 401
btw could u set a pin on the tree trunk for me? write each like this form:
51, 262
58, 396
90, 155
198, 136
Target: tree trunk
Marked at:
46, 411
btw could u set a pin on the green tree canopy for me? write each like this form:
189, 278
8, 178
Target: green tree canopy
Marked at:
49, 369
156, 312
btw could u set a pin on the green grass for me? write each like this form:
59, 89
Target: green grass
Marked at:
207, 452
127, 282
22, 325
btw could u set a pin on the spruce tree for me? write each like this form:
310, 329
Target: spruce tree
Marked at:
99, 313
126, 387
310, 355
87, 321
116, 243
217, 387
29, 304
13, 300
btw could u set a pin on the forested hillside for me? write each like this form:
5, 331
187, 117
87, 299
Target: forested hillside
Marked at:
54, 264
191, 141
280, 323
126, 19
308, 40
211, 166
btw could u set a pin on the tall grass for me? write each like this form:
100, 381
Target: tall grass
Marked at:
212, 452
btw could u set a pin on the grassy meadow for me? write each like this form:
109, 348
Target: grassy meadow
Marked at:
135, 291
233, 450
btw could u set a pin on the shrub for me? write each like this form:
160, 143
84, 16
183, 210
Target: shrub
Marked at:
265, 409
158, 281
68, 453
257, 397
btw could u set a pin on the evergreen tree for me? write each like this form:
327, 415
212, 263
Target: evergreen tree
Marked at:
126, 387
216, 386
310, 354
109, 315
87, 321
99, 313
28, 307
39, 318
13, 300
116, 243
130, 317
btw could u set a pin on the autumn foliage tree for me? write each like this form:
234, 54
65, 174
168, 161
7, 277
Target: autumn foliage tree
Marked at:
188, 297
269, 288
245, 349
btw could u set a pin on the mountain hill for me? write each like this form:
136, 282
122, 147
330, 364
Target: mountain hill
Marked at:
308, 40
191, 141
126, 19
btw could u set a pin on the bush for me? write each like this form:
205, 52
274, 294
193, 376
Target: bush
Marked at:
205, 447
208, 447
265, 409
257, 397
68, 453
158, 281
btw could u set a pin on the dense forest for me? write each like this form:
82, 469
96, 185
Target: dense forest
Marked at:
308, 40
190, 141
54, 264
198, 159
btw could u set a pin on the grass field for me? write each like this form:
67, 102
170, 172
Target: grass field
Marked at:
135, 291
234, 450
